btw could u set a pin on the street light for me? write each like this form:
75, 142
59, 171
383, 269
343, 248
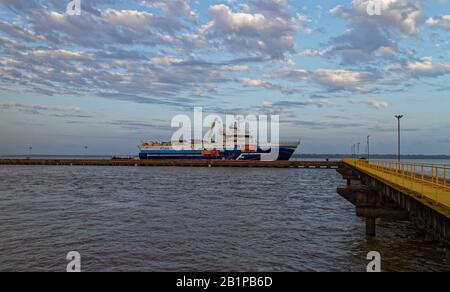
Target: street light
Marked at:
368, 147
359, 146
85, 152
399, 117
29, 152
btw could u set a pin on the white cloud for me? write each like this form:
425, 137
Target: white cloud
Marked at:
400, 15
173, 8
57, 54
256, 33
426, 67
138, 20
268, 104
165, 60
252, 82
247, 82
333, 79
38, 108
340, 78
236, 68
321, 102
312, 53
440, 22
372, 36
377, 104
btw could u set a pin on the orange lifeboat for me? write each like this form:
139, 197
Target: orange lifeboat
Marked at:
210, 153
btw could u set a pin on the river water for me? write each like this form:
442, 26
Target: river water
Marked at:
194, 219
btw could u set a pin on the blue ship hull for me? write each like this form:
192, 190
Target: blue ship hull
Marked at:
285, 153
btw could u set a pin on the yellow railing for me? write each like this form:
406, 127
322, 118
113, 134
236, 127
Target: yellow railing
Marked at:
426, 181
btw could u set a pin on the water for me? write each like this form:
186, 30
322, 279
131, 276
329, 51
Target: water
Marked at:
193, 219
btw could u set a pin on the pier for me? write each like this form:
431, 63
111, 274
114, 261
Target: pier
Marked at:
418, 192
174, 163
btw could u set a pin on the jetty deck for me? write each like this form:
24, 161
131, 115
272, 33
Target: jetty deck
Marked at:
395, 190
173, 163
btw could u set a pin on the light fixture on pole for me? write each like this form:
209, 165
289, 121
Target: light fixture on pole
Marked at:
399, 117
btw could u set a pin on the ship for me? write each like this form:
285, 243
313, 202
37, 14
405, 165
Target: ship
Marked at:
164, 151
243, 148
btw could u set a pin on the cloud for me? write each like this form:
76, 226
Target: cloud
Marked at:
376, 104
63, 71
17, 31
134, 125
369, 37
322, 125
287, 107
145, 54
102, 24
261, 33
323, 102
276, 8
112, 27
247, 82
442, 22
165, 60
33, 108
173, 8
57, 55
312, 53
20, 5
426, 67
340, 78
403, 16
137, 20
155, 51
332, 79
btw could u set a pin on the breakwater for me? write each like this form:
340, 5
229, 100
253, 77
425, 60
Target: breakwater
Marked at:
173, 163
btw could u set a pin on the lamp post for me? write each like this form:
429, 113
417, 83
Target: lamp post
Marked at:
85, 152
29, 152
359, 146
399, 117
368, 147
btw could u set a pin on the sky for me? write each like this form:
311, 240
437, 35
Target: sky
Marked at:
118, 73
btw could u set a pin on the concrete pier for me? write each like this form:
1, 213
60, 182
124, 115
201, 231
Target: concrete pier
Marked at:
371, 226
375, 198
173, 163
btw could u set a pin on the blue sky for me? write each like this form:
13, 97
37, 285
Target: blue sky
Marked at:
118, 73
